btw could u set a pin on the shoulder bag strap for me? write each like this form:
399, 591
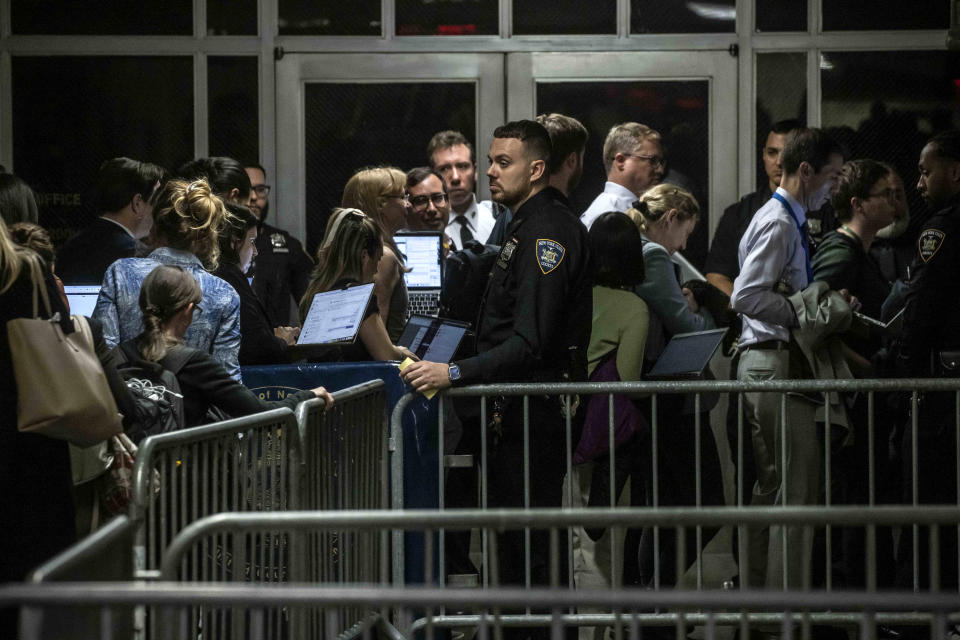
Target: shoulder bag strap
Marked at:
36, 277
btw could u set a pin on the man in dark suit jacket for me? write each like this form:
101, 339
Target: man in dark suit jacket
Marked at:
124, 195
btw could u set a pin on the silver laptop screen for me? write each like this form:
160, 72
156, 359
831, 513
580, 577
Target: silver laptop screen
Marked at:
422, 255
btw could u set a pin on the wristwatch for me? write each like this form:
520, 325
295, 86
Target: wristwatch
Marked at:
454, 372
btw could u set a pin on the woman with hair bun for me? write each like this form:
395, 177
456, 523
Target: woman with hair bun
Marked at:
169, 300
381, 193
188, 219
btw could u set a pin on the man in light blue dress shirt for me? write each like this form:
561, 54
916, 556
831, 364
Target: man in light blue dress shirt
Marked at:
633, 158
774, 256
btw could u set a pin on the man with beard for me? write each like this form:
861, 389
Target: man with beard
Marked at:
282, 268
534, 327
568, 139
774, 256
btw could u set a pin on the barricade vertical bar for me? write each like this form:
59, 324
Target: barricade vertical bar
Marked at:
526, 489
569, 463
742, 534
484, 556
613, 485
934, 546
872, 495
441, 493
956, 458
827, 487
656, 490
915, 495
783, 485
699, 489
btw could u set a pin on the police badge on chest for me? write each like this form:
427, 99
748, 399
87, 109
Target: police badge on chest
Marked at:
278, 243
506, 253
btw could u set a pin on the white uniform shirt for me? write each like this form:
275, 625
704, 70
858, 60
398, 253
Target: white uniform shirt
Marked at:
614, 197
770, 251
480, 221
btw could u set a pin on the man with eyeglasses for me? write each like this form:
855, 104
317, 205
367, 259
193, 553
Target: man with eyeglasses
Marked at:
282, 270
429, 202
451, 156
633, 158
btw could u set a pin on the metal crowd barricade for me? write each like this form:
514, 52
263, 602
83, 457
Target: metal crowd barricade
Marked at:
244, 464
246, 527
103, 556
861, 611
697, 391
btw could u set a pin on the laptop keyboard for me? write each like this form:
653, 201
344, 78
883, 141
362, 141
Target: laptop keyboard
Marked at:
426, 303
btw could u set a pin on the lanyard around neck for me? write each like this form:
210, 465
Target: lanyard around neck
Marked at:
802, 229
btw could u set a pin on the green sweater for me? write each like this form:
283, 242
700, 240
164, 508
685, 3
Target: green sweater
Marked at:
620, 321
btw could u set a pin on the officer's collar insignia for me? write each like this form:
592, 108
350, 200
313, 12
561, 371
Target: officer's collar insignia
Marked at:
549, 255
929, 243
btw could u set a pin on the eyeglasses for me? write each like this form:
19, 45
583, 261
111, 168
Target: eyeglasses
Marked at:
262, 190
890, 194
402, 196
655, 161
419, 202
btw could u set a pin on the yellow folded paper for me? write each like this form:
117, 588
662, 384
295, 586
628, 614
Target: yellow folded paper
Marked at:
406, 363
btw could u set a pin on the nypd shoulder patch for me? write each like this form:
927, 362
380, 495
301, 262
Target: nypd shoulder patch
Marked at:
929, 243
549, 254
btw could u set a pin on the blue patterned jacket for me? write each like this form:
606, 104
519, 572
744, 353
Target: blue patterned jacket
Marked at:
216, 330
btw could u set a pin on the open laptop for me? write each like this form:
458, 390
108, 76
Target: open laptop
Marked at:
423, 253
433, 339
82, 298
335, 316
687, 355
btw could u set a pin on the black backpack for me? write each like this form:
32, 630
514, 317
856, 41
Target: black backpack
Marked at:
155, 390
465, 277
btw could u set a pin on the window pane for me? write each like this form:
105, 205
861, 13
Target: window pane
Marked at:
884, 105
781, 15
679, 110
231, 17
446, 17
654, 16
174, 17
861, 15
233, 100
781, 95
131, 106
349, 126
546, 17
328, 17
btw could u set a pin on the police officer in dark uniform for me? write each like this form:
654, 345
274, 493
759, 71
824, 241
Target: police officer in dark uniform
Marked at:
282, 270
534, 326
930, 343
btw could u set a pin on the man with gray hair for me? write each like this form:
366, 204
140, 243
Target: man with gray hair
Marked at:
633, 158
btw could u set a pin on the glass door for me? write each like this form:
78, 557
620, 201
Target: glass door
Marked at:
689, 97
337, 113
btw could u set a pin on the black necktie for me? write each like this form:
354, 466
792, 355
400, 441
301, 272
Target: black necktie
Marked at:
465, 235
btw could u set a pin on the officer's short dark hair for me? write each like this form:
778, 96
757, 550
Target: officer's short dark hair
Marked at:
418, 174
567, 135
813, 146
856, 180
533, 135
224, 175
119, 179
617, 251
947, 144
446, 139
781, 127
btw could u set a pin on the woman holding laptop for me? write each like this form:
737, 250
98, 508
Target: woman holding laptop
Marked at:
350, 254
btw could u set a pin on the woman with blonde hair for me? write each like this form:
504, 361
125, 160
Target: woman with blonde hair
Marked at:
350, 254
380, 192
170, 301
36, 505
188, 219
666, 216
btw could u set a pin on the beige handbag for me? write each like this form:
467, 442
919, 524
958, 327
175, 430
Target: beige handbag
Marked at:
62, 391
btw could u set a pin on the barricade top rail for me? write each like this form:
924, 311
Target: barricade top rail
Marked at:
285, 595
512, 519
90, 548
694, 386
339, 396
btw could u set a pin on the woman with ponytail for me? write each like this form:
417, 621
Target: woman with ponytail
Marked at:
170, 300
188, 219
36, 505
